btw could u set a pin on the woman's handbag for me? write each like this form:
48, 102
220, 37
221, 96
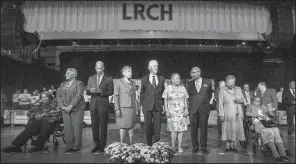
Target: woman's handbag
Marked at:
268, 123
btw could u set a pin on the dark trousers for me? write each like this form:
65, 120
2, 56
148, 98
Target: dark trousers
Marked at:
200, 120
152, 125
73, 126
219, 125
280, 106
290, 114
40, 128
99, 121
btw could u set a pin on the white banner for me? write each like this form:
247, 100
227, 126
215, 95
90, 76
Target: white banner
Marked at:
148, 15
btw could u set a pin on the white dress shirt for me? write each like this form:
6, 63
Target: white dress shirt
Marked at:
99, 78
151, 78
292, 91
199, 82
279, 96
248, 96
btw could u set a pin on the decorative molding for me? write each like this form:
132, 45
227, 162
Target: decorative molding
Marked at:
157, 47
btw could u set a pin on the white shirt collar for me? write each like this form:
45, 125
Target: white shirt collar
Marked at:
199, 80
151, 75
100, 76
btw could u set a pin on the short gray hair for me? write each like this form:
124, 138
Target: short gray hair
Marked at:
174, 74
151, 62
124, 68
101, 63
73, 70
262, 83
230, 77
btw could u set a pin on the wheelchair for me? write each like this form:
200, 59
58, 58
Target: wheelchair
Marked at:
252, 135
57, 132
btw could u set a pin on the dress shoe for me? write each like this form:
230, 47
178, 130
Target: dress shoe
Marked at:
12, 149
95, 149
195, 150
76, 149
35, 149
227, 150
204, 151
278, 160
69, 151
289, 153
285, 159
234, 150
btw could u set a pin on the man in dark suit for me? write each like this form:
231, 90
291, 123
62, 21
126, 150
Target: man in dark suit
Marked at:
290, 101
267, 96
100, 87
200, 93
152, 87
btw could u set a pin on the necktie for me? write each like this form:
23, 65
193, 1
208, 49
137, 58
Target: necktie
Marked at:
99, 81
294, 92
197, 86
153, 81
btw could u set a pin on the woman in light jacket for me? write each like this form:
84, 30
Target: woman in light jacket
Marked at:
231, 113
70, 100
125, 103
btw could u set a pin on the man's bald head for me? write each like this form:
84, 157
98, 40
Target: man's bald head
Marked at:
195, 73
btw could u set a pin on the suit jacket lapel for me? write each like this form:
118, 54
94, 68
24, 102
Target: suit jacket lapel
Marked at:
103, 79
158, 81
202, 84
244, 94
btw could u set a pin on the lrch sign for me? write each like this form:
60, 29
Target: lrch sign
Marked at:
154, 12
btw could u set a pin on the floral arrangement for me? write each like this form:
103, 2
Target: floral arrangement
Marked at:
159, 152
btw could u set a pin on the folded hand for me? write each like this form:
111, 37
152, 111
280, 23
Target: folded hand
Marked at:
185, 113
168, 115
118, 113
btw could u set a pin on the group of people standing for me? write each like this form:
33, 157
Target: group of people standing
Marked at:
178, 102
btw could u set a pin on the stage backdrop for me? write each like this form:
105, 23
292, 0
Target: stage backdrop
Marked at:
246, 67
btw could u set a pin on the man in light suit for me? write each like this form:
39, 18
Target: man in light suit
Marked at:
100, 87
267, 96
200, 94
152, 87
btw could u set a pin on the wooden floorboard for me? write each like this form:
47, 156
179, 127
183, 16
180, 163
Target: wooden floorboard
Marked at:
217, 154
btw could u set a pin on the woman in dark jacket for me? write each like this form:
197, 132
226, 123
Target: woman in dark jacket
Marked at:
70, 100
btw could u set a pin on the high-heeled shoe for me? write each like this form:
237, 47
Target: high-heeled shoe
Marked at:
180, 150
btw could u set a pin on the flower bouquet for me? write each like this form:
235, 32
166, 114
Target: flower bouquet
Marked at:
159, 152
115, 148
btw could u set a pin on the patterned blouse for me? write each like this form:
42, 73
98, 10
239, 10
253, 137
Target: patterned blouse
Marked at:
50, 109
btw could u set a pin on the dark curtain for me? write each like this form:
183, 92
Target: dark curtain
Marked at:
18, 75
246, 67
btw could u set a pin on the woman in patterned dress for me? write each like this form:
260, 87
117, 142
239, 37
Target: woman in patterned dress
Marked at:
270, 136
176, 108
231, 114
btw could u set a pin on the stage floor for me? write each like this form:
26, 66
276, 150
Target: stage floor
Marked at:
216, 155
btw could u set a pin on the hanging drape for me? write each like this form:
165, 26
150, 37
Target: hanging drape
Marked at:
92, 16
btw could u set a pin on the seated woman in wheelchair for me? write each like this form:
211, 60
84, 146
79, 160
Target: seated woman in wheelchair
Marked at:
42, 120
270, 135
